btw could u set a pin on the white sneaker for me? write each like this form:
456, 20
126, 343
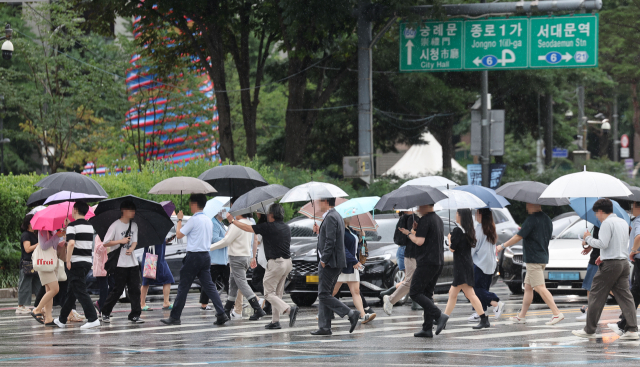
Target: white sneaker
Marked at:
388, 306
474, 317
90, 325
516, 320
368, 317
583, 334
236, 316
630, 335
60, 325
582, 317
614, 327
555, 319
497, 311
21, 310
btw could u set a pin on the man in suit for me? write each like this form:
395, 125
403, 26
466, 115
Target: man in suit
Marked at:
331, 261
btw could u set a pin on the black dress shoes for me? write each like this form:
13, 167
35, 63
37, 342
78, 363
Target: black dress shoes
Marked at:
221, 319
273, 325
442, 322
353, 319
171, 321
321, 332
424, 334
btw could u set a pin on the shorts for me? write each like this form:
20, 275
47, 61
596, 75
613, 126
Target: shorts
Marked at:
588, 279
535, 275
400, 257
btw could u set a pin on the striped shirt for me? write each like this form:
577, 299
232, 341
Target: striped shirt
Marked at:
82, 233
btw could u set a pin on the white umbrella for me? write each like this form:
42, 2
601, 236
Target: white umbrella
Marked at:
313, 191
586, 185
438, 182
460, 200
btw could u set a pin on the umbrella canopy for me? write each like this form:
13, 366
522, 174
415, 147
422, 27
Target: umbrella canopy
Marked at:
182, 185
257, 198
233, 180
72, 181
215, 205
410, 196
37, 209
485, 194
63, 196
52, 218
635, 193
364, 222
40, 196
312, 209
578, 204
529, 192
169, 207
460, 200
586, 184
313, 191
151, 218
357, 206
438, 182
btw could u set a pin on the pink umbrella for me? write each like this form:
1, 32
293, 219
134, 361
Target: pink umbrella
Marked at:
52, 218
359, 222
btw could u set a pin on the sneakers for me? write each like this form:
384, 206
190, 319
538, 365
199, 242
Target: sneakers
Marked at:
614, 327
497, 311
60, 325
106, 319
517, 320
582, 317
555, 319
630, 335
583, 334
89, 325
388, 306
21, 310
136, 320
368, 317
235, 316
474, 317
206, 308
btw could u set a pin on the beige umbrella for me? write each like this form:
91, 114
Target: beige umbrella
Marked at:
181, 185
360, 222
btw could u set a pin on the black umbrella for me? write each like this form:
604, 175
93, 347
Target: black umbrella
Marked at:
151, 218
635, 193
71, 181
410, 196
233, 180
40, 196
529, 192
257, 199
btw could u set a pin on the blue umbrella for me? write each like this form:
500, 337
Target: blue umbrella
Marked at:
215, 205
489, 196
357, 206
579, 204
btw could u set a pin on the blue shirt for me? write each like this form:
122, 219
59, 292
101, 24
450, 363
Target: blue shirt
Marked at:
198, 230
635, 231
484, 254
219, 256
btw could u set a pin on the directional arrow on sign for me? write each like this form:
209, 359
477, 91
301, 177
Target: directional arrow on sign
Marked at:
507, 60
477, 61
567, 57
409, 47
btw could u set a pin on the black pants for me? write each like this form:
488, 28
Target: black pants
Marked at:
39, 296
58, 299
423, 285
256, 279
105, 284
635, 291
195, 264
481, 288
327, 303
216, 271
129, 277
77, 289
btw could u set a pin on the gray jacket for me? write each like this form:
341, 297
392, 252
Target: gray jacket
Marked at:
331, 241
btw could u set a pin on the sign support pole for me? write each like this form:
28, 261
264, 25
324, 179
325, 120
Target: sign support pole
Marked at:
365, 112
486, 128
616, 141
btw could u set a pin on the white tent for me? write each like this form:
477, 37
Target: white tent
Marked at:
422, 160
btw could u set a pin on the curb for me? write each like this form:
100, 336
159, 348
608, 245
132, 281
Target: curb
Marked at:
8, 293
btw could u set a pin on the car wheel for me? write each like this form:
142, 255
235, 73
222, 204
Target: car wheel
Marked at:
304, 299
515, 288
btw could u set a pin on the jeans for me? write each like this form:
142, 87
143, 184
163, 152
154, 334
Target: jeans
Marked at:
195, 264
129, 277
28, 284
105, 284
77, 289
400, 257
483, 283
423, 286
327, 303
216, 271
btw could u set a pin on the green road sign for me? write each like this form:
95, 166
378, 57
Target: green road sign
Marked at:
500, 43
496, 44
434, 46
564, 42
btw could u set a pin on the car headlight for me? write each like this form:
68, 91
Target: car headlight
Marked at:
379, 257
508, 252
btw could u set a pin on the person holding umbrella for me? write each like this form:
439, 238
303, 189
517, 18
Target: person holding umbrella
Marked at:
197, 262
634, 256
394, 294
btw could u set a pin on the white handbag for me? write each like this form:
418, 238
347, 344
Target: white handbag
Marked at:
44, 260
62, 274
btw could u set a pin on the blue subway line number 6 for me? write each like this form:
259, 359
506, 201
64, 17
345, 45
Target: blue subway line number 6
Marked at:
553, 57
489, 60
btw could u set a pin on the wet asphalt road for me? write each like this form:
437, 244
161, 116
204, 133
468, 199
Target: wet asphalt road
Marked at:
388, 340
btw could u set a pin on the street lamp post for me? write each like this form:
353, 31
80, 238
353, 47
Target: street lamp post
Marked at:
7, 52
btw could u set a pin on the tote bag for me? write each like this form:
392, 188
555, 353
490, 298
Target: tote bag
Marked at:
45, 260
150, 264
62, 274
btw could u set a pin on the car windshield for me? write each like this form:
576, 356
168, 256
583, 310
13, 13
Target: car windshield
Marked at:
576, 230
